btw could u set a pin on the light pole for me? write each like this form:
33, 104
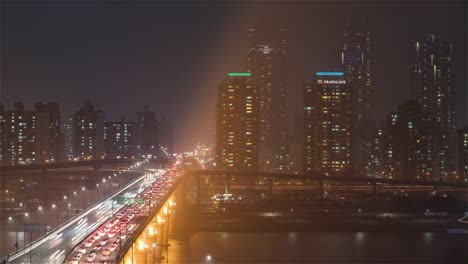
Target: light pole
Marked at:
84, 198
45, 219
68, 209
24, 231
97, 190
16, 230
76, 202
56, 210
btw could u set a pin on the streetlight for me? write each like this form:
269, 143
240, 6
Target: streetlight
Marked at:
97, 190
45, 219
76, 202
68, 208
56, 209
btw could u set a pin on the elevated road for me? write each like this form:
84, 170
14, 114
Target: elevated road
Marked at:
54, 247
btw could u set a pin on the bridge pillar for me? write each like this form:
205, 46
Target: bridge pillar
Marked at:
159, 235
167, 219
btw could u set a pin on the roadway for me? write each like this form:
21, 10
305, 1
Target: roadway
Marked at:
54, 247
101, 245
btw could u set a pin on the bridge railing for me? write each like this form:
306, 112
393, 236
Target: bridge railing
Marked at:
30, 246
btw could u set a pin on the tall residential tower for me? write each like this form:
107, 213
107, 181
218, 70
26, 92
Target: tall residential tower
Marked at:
237, 123
266, 60
356, 61
327, 125
434, 90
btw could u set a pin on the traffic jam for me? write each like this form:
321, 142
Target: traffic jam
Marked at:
102, 245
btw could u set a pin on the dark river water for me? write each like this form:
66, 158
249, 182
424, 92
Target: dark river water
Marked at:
318, 247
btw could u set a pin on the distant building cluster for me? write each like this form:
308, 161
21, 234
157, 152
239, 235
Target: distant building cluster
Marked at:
38, 136
336, 133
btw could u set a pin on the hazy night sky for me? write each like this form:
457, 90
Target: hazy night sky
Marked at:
172, 56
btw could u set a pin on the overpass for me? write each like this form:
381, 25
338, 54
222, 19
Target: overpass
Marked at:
96, 164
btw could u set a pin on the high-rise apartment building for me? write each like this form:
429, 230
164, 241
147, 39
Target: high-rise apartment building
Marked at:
434, 90
119, 139
237, 123
147, 134
328, 123
18, 136
357, 63
31, 136
409, 148
266, 59
67, 129
49, 138
462, 154
88, 133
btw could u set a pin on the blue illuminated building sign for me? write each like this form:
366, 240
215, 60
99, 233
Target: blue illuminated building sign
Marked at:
329, 73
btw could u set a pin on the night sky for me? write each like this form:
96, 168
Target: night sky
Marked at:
172, 56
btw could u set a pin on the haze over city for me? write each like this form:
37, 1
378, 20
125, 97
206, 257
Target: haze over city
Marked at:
233, 132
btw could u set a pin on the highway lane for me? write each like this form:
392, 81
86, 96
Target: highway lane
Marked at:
101, 245
55, 246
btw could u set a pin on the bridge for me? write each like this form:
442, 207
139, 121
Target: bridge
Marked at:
146, 237
272, 176
96, 164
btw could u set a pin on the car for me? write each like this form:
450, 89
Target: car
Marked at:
96, 236
104, 241
74, 261
107, 228
111, 234
106, 252
91, 257
82, 250
101, 232
104, 258
88, 243
97, 247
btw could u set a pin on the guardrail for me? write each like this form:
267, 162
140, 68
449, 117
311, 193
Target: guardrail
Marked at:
42, 238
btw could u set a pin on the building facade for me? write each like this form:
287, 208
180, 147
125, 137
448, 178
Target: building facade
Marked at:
357, 63
327, 125
31, 136
119, 139
147, 134
266, 59
18, 136
88, 133
434, 90
237, 123
462, 154
50, 142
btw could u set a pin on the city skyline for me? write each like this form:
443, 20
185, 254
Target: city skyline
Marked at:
302, 63
233, 131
